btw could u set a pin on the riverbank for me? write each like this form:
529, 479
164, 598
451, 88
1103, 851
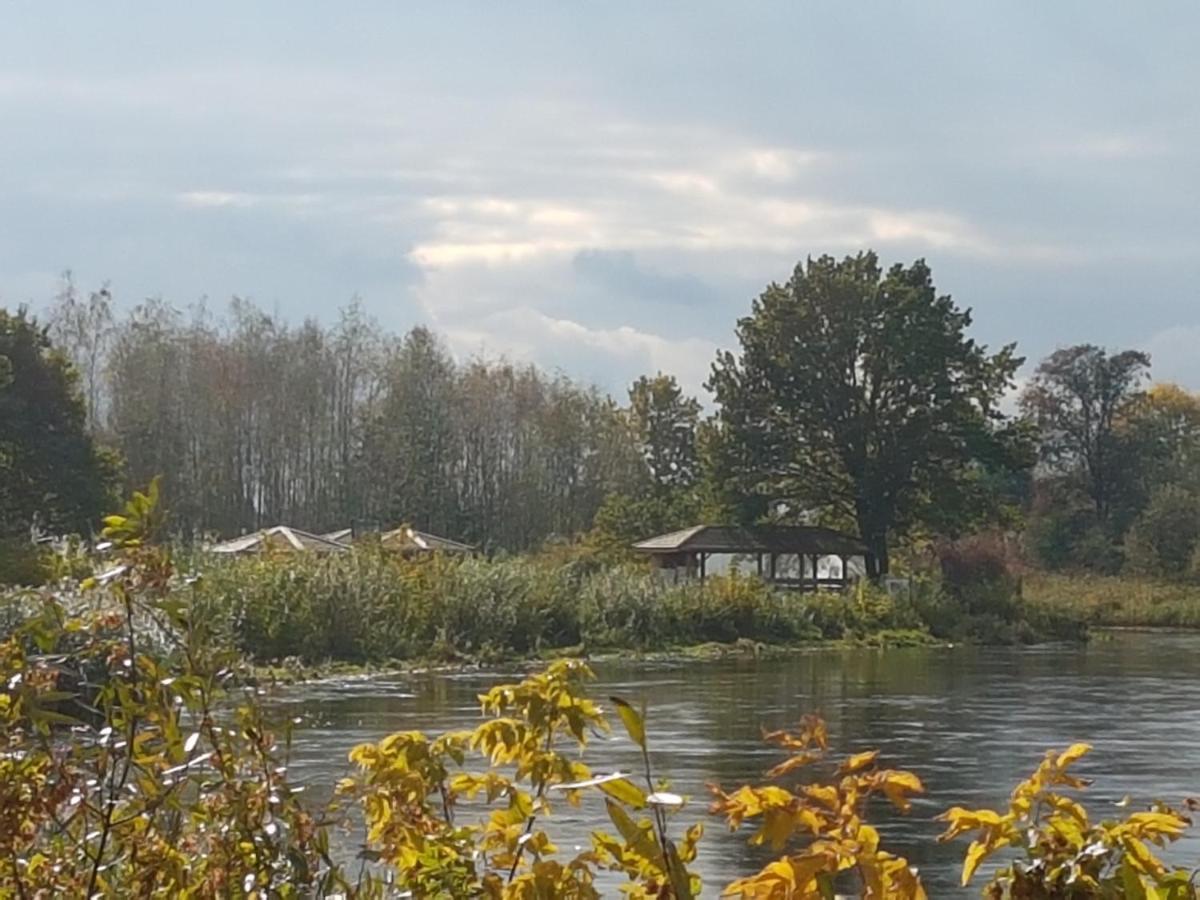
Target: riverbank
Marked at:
1117, 601
295, 671
371, 609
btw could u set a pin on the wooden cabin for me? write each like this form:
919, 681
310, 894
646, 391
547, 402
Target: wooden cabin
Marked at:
804, 557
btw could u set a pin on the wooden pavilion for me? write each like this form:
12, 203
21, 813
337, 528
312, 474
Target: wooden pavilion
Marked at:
805, 557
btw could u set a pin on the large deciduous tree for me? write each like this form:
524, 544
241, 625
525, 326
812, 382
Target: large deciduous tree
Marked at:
54, 476
1077, 399
664, 422
858, 396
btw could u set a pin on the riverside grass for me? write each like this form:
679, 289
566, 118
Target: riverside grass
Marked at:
1117, 601
371, 608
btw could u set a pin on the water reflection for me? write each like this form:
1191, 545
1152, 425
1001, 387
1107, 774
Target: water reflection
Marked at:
969, 721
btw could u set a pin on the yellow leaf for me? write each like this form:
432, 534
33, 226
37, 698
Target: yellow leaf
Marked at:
858, 762
1072, 754
976, 854
795, 762
1140, 857
635, 725
897, 785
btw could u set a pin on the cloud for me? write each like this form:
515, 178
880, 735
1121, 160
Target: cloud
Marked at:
611, 357
1106, 147
1173, 355
562, 187
216, 199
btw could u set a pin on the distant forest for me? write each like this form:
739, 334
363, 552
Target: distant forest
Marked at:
855, 397
254, 421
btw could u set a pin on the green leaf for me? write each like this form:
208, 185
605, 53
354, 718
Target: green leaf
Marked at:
625, 791
681, 881
633, 721
50, 717
639, 837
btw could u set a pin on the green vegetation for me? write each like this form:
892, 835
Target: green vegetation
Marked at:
53, 478
1117, 601
175, 783
859, 394
388, 609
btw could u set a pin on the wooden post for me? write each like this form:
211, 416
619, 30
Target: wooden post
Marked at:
760, 566
772, 568
703, 559
816, 574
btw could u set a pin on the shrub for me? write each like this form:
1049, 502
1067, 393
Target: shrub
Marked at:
1163, 539
22, 563
978, 559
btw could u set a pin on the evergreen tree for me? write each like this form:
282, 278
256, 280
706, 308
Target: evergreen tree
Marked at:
53, 475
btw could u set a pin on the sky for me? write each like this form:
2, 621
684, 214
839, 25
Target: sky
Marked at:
604, 188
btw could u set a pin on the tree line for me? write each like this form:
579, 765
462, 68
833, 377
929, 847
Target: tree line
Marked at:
856, 397
253, 421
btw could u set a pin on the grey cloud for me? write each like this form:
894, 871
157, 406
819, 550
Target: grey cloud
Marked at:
564, 172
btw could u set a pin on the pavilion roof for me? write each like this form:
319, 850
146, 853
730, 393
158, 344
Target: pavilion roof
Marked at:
754, 539
280, 537
408, 539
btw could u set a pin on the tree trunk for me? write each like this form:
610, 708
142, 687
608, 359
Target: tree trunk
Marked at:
877, 553
873, 530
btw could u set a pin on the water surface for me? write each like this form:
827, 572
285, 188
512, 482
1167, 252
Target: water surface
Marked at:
969, 721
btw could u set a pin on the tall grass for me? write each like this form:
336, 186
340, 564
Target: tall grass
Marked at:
1117, 601
370, 607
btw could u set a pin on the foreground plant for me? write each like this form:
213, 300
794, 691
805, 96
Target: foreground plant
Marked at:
1066, 854
130, 765
414, 788
824, 821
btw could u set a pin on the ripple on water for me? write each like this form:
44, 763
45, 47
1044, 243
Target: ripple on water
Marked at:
971, 722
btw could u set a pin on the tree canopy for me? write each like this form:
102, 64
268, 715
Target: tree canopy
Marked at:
664, 422
54, 476
1076, 399
857, 396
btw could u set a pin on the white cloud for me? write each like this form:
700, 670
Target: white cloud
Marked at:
611, 356
216, 199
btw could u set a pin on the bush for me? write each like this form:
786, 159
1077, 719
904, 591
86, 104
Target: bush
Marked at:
978, 559
1163, 539
1063, 533
22, 563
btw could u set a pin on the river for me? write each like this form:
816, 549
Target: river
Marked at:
970, 721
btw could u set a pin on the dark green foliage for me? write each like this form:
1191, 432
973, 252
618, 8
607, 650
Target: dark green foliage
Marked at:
52, 476
1163, 540
664, 423
1076, 399
22, 562
623, 520
859, 395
